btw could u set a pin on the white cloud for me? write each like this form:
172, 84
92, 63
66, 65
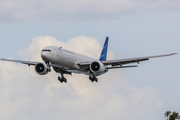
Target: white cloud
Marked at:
77, 10
26, 95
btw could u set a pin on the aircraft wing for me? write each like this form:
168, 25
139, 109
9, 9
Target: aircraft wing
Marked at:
57, 68
20, 61
132, 60
125, 61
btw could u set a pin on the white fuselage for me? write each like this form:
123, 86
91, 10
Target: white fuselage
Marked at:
65, 58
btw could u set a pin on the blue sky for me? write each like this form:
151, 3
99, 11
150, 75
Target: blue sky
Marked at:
135, 28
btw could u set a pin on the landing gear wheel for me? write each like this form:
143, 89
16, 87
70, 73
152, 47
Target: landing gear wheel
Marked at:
62, 79
93, 78
90, 78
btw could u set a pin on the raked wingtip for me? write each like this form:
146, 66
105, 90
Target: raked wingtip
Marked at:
174, 53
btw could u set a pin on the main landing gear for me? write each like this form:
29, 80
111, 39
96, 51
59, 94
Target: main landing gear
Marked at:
93, 78
62, 78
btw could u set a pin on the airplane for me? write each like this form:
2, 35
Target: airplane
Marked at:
67, 62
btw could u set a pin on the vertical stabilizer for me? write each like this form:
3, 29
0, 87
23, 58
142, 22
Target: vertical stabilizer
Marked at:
104, 50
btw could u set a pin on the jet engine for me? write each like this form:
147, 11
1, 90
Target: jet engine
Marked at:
97, 67
41, 69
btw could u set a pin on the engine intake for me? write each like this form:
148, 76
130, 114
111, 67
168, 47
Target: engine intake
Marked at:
97, 67
41, 68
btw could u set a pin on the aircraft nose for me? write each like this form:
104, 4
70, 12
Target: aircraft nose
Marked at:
44, 56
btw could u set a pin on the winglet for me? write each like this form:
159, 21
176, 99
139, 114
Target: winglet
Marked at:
104, 50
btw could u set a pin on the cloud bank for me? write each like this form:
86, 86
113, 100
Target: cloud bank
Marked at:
77, 10
24, 95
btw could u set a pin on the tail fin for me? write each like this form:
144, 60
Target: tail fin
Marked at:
104, 50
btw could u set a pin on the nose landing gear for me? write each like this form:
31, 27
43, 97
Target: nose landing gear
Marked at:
49, 66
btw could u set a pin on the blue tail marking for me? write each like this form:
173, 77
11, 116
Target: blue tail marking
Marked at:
104, 50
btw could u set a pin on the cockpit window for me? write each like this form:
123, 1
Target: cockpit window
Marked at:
46, 50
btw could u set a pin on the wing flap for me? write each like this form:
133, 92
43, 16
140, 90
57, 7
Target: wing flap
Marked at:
122, 67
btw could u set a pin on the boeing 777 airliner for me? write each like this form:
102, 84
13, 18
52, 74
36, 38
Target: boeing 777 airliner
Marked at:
67, 62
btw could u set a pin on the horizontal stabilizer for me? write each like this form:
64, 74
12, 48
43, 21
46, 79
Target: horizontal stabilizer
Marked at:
122, 67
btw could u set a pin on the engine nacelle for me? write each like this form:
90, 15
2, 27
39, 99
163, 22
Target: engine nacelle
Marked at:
41, 69
97, 67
